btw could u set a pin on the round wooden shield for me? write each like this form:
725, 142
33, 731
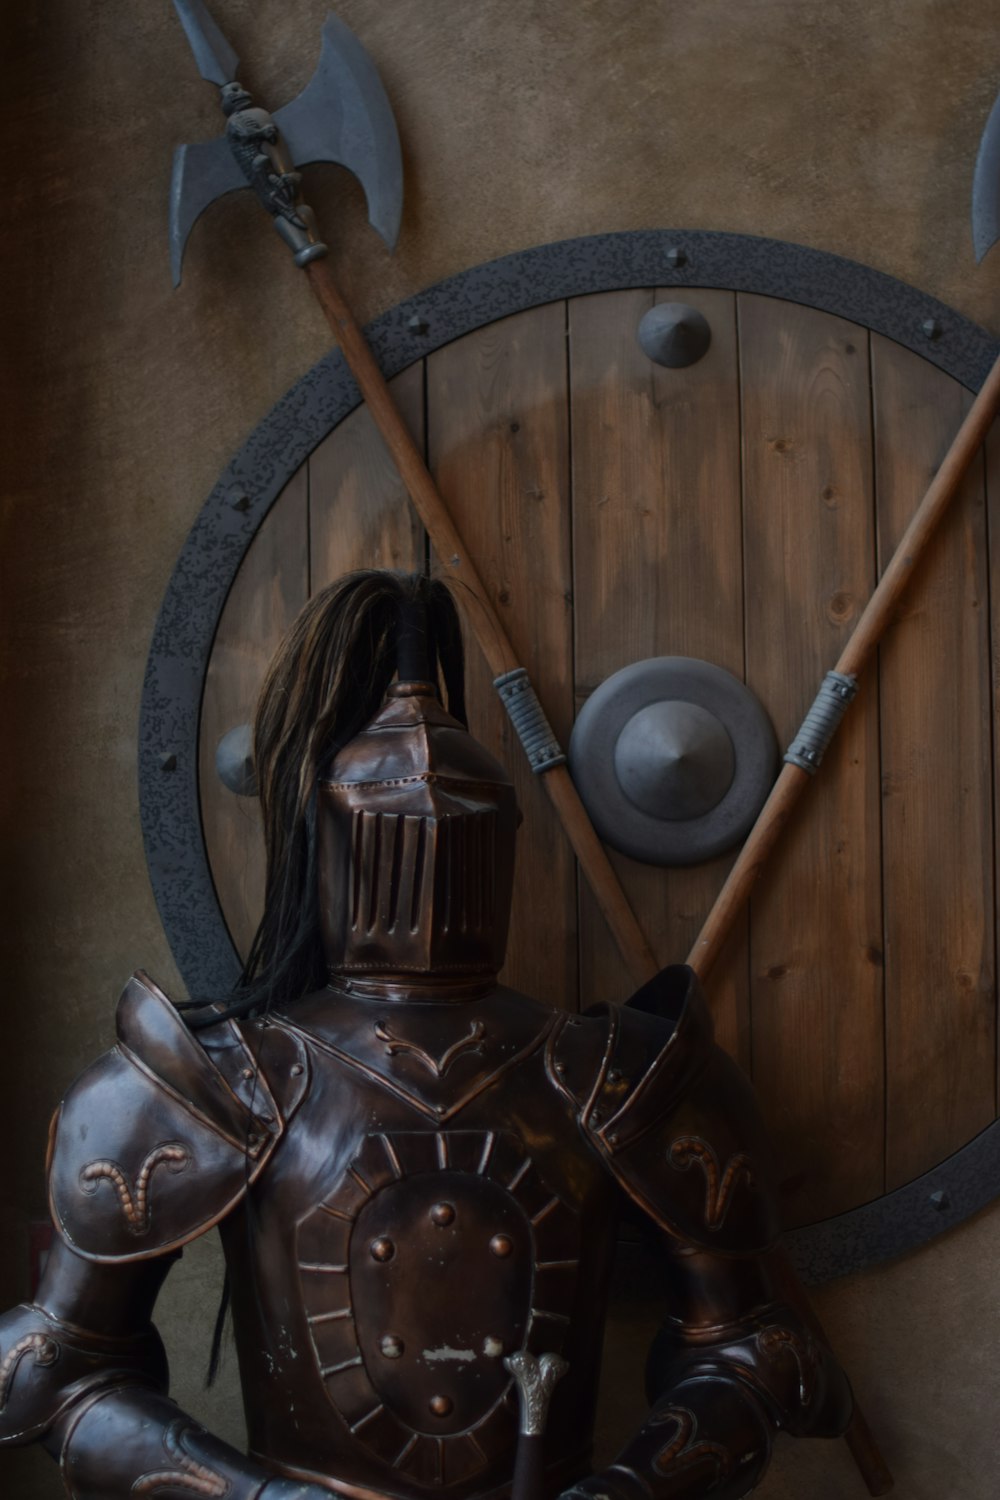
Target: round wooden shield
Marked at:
737, 510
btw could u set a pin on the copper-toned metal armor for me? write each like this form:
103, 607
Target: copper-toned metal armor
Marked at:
438, 1168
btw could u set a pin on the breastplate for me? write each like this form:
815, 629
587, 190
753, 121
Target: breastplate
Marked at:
414, 1231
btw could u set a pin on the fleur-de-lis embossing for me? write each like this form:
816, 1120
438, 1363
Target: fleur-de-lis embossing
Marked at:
774, 1342
719, 1186
188, 1474
685, 1448
437, 1065
45, 1350
135, 1201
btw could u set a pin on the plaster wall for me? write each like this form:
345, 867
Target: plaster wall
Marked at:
848, 126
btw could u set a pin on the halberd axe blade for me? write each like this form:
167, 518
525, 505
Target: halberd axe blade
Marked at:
341, 116
986, 187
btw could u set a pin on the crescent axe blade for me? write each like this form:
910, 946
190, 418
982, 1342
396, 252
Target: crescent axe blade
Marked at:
986, 187
342, 115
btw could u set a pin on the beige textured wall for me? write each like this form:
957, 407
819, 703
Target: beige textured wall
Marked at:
848, 126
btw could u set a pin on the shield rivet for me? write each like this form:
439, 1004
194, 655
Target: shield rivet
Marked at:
382, 1249
501, 1245
443, 1214
391, 1346
441, 1406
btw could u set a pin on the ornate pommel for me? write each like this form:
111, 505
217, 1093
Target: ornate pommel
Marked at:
536, 1379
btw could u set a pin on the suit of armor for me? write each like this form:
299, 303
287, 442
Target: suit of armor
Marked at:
417, 1174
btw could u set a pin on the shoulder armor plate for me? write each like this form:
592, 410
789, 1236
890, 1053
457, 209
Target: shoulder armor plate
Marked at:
160, 1138
674, 1118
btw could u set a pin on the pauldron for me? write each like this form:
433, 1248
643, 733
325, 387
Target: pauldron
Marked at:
163, 1135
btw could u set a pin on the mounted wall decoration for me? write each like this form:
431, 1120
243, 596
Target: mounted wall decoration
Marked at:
735, 508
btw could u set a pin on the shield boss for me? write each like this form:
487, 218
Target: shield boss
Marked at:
673, 758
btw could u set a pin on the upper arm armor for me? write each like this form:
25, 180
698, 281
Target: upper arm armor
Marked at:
674, 1118
160, 1138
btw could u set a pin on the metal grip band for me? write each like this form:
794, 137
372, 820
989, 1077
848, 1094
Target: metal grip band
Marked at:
528, 718
820, 724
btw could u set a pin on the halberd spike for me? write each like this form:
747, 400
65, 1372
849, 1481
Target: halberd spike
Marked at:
217, 62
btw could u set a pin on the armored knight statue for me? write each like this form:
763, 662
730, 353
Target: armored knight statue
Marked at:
418, 1174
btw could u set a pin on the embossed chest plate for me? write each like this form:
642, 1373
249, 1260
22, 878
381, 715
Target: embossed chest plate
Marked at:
436, 1254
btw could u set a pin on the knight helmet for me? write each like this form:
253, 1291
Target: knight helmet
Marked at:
414, 820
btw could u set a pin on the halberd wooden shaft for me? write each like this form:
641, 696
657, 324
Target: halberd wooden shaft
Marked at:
489, 631
865, 637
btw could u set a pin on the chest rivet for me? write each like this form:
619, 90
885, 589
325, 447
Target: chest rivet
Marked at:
382, 1249
296, 1070
391, 1346
441, 1406
501, 1245
443, 1214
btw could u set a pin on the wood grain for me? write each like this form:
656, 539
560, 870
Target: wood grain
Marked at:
937, 792
498, 441
268, 592
964, 452
815, 919
360, 516
658, 571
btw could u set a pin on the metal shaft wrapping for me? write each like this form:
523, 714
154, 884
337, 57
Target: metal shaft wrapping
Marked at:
528, 718
820, 724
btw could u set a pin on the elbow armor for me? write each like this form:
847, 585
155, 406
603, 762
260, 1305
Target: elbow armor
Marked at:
48, 1366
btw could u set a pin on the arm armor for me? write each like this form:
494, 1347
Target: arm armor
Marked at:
677, 1125
154, 1143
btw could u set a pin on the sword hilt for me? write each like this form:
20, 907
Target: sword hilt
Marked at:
536, 1378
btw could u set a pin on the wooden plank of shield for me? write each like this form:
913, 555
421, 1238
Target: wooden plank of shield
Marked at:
498, 440
268, 592
359, 512
816, 919
658, 571
936, 791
